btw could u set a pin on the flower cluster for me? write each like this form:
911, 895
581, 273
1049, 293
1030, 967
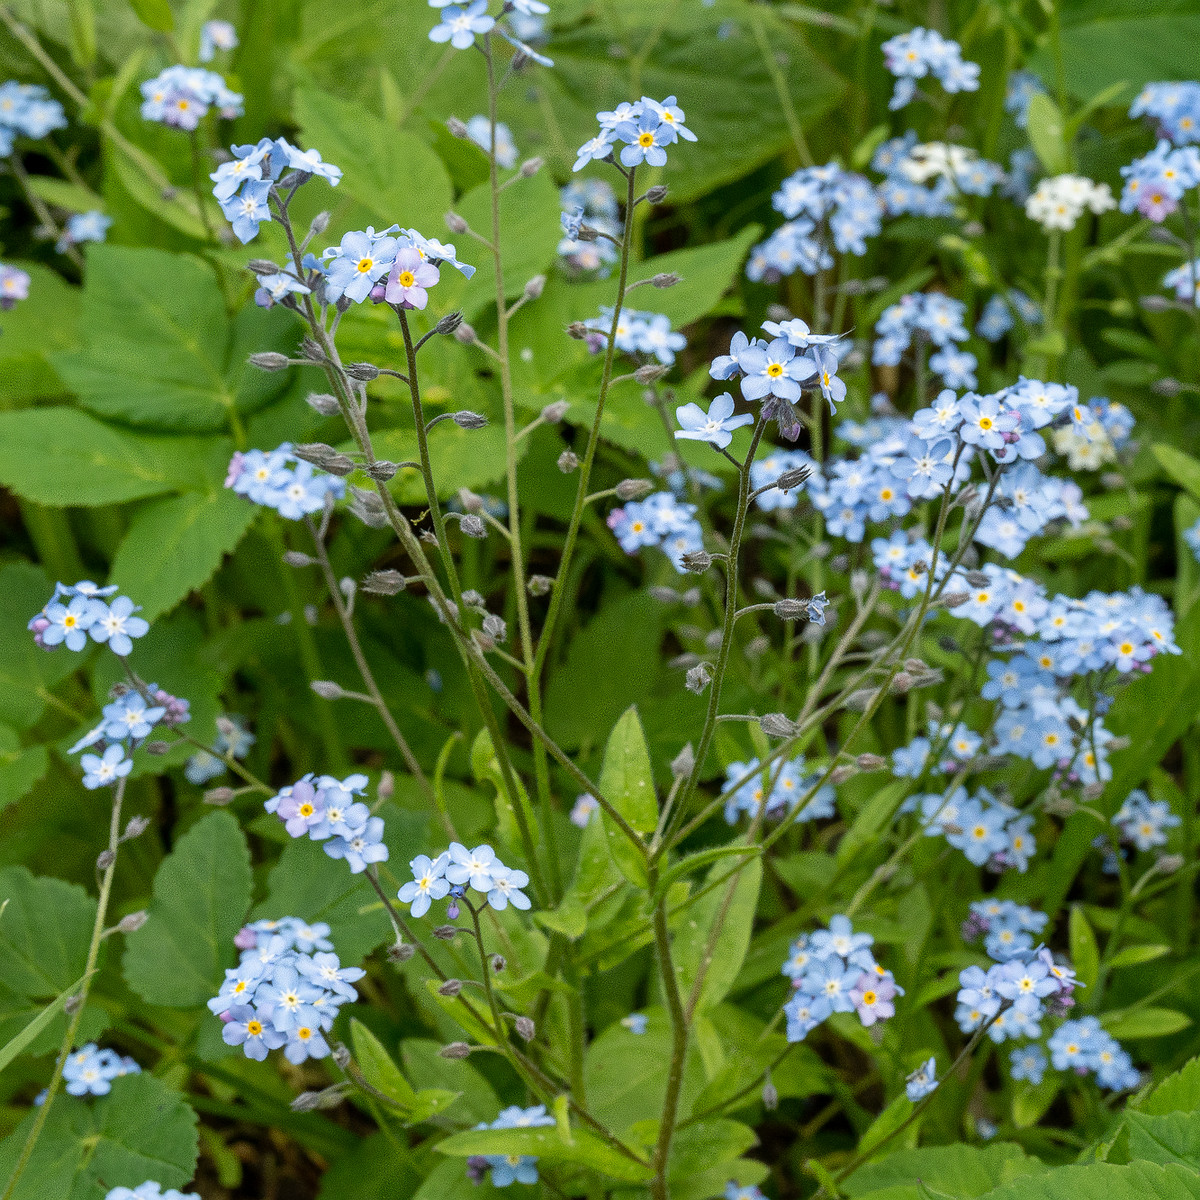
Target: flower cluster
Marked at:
1176, 108
479, 131
996, 319
285, 991
90, 1070
1012, 997
324, 809
214, 36
509, 1168
233, 738
91, 226
278, 479
989, 832
1143, 822
456, 869
926, 180
1184, 281
1019, 92
395, 265
1083, 1046
14, 286
659, 520
74, 612
1058, 202
1097, 432
645, 128
819, 203
26, 110
181, 97
939, 319
637, 333
833, 970
150, 1190
589, 208
1006, 926
1156, 182
459, 24
921, 52
784, 786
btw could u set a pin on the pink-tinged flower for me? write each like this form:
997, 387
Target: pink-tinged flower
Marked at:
873, 998
302, 809
1156, 204
409, 278
235, 469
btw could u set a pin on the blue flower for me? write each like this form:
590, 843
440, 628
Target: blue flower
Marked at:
359, 262
459, 26
248, 1028
923, 1081
593, 150
129, 717
91, 226
214, 36
669, 113
106, 768
69, 623
773, 370
305, 1042
428, 884
506, 889
325, 970
825, 363
309, 161
115, 624
715, 427
512, 1168
288, 999
635, 1023
645, 140
361, 847
473, 867
247, 211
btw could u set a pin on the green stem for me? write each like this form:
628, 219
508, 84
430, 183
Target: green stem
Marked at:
679, 1035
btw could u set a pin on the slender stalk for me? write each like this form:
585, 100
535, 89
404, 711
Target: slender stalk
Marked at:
42, 213
98, 926
679, 1036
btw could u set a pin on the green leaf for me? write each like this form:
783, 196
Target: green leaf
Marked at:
1178, 1092
180, 210
1172, 1137
704, 1158
486, 766
426, 1068
1047, 134
874, 815
1134, 956
702, 858
45, 931
141, 1130
175, 545
960, 1170
61, 456
569, 918
1182, 468
390, 172
62, 194
21, 767
156, 14
16, 1044
627, 783
47, 321
201, 894
1085, 955
159, 348
585, 1149
470, 458
1031, 1103
1132, 45
1145, 1022
1104, 1181
377, 1066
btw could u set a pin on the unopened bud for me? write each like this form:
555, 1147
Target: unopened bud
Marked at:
535, 287
770, 1095
401, 952
135, 828
327, 689
457, 128
455, 1050
157, 747
633, 489
325, 404
329, 1097
364, 372
793, 478
553, 413
666, 279
1093, 791
469, 420
902, 682
1166, 387
650, 373
697, 561
1168, 864
472, 526
954, 599
499, 963
684, 763
319, 223
777, 725
495, 627
858, 700
263, 266
471, 502
465, 334
539, 585
531, 166
133, 922
568, 460
578, 330
916, 666
788, 609
697, 679
341, 1056
297, 558
450, 988
455, 223
449, 323
525, 1028
657, 194
72, 1005
1156, 304
446, 933
269, 360
381, 471
871, 762
839, 775
105, 859
384, 583
219, 796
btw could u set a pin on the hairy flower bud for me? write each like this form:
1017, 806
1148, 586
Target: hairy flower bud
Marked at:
105, 859
363, 372
263, 266
381, 471
219, 796
456, 224
133, 921
1167, 387
341, 1055
329, 1097
450, 988
777, 725
698, 678
539, 585
858, 700
577, 330
657, 194
499, 962
568, 460
297, 558
535, 287
525, 1028
269, 360
469, 420
327, 689
472, 526
1168, 864
770, 1095
319, 224
954, 599
665, 279
650, 373
457, 128
157, 747
401, 952
455, 1050
446, 933
449, 323
384, 583
684, 763
697, 561
325, 404
633, 489
1155, 304
839, 775
553, 413
496, 628
135, 828
788, 609
465, 334
531, 166
871, 762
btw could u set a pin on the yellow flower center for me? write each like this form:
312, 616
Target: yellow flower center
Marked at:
254, 1028
869, 998
646, 140
407, 279
364, 265
69, 621
886, 494
304, 1033
307, 810
775, 370
985, 422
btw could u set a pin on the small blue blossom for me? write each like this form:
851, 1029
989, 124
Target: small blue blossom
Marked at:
115, 624
923, 1081
460, 25
247, 210
716, 426
635, 1023
104, 769
428, 883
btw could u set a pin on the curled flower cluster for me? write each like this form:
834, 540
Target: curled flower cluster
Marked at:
455, 870
74, 612
324, 809
589, 208
921, 52
989, 832
14, 286
1143, 822
278, 479
150, 1190
1176, 108
819, 203
509, 1168
1155, 184
660, 520
784, 787
637, 333
996, 319
645, 128
181, 97
285, 991
26, 110
833, 970
90, 1070
1060, 201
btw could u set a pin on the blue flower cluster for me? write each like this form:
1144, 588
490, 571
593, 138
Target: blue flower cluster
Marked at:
26, 110
996, 319
660, 520
921, 52
456, 869
784, 786
14, 286
181, 97
509, 1168
926, 180
1097, 432
1144, 822
1014, 995
1006, 926
150, 1190
833, 970
74, 612
1019, 92
278, 479
395, 265
232, 738
767, 470
90, 1070
637, 333
1155, 183
941, 320
589, 204
818, 202
644, 127
91, 226
1084, 1047
324, 809
989, 832
285, 991
1176, 108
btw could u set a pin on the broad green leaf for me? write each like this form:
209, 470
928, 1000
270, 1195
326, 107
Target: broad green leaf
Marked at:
1178, 1092
447, 1181
426, 1068
63, 194
702, 858
1031, 1103
201, 894
45, 931
1182, 468
180, 210
470, 458
1147, 1022
1172, 1137
627, 783
1128, 44
381, 1167
45, 322
61, 456
874, 815
704, 1158
486, 766
390, 172
1104, 1181
569, 918
175, 545
378, 1068
141, 1130
961, 1171
1085, 955
1133, 956
21, 767
585, 1149
1047, 133
16, 1044
154, 13
160, 350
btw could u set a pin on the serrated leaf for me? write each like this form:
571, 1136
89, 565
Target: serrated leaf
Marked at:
1180, 1091
1085, 954
45, 932
174, 546
1171, 1137
1147, 1022
627, 783
1105, 1181
201, 895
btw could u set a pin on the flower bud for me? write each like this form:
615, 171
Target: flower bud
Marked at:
633, 489
269, 360
665, 279
465, 334
495, 627
777, 725
446, 933
697, 679
757, 647
535, 287
297, 558
499, 963
157, 747
449, 323
363, 372
650, 373
456, 224
135, 828
341, 1056
263, 266
684, 763
578, 330
326, 405
871, 762
327, 689
457, 128
531, 166
319, 224
472, 526
329, 1097
105, 859
697, 561
788, 609
657, 194
539, 585
401, 952
381, 471
133, 922
859, 700
553, 413
1156, 304
525, 1028
384, 583
770, 1095
455, 1050
954, 599
1168, 864
568, 460
450, 988
839, 775
219, 796
469, 420
1166, 387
